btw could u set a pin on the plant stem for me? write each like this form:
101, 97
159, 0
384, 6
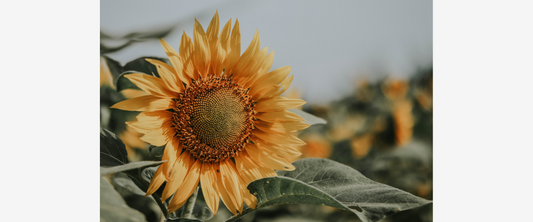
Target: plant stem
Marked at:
189, 205
163, 207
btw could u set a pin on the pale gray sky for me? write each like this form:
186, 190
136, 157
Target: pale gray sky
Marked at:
329, 44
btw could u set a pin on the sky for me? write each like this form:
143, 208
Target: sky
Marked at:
329, 44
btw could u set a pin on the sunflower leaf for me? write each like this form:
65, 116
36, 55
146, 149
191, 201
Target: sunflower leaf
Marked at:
309, 118
112, 149
129, 166
326, 182
113, 207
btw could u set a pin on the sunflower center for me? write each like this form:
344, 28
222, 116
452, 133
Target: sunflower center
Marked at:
218, 117
214, 118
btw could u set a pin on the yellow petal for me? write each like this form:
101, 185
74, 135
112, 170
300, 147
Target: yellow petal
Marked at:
187, 187
235, 49
230, 181
209, 186
224, 195
246, 167
224, 37
273, 78
280, 128
284, 85
201, 56
212, 39
263, 69
268, 159
245, 74
147, 121
168, 75
150, 84
286, 139
248, 198
156, 182
178, 173
172, 56
186, 49
281, 117
144, 103
247, 55
132, 93
266, 91
277, 104
282, 150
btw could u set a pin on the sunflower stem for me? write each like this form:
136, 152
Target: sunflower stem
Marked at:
163, 207
189, 205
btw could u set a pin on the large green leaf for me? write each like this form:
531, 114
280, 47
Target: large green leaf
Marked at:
129, 166
318, 181
113, 208
112, 149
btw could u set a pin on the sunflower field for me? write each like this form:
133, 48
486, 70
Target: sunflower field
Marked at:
212, 133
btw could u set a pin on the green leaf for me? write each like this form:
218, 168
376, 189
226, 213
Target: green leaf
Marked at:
352, 189
326, 182
127, 183
309, 118
112, 149
113, 207
129, 166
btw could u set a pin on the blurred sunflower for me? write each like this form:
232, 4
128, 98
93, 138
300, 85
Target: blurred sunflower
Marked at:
220, 116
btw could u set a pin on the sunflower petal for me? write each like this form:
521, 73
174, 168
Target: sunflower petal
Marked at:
281, 117
224, 195
248, 198
230, 181
144, 103
234, 49
268, 159
280, 128
201, 56
209, 186
179, 171
186, 53
248, 54
250, 70
277, 104
263, 69
150, 84
168, 74
187, 188
286, 139
246, 167
172, 150
282, 150
273, 78
156, 182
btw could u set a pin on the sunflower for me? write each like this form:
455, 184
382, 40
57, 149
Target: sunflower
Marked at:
220, 116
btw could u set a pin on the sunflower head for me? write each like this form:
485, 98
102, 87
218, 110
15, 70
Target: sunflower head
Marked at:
219, 115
